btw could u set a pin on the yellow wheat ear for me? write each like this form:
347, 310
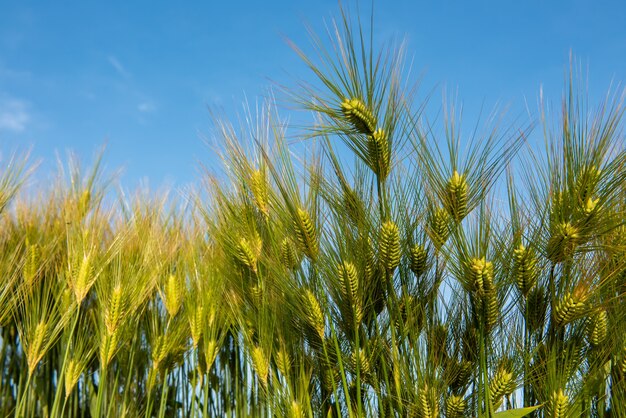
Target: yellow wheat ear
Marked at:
456, 195
359, 115
349, 281
389, 246
306, 234
314, 314
439, 227
570, 307
524, 269
378, 153
597, 328
428, 404
502, 384
418, 256
289, 254
260, 192
260, 363
455, 406
557, 405
562, 242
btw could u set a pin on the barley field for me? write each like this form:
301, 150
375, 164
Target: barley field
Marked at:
379, 264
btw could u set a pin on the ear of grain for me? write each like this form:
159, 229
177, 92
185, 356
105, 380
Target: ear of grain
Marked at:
562, 242
557, 405
455, 406
359, 116
378, 153
524, 269
389, 246
456, 196
418, 256
306, 233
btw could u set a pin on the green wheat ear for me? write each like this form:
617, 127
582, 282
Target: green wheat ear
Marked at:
455, 406
418, 256
597, 328
378, 153
260, 193
359, 116
524, 269
306, 233
349, 280
557, 405
389, 246
502, 384
439, 227
456, 196
289, 254
587, 182
562, 242
428, 404
570, 307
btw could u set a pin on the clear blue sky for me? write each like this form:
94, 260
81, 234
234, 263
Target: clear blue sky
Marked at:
139, 75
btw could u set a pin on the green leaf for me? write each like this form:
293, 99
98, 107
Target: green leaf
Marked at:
516, 413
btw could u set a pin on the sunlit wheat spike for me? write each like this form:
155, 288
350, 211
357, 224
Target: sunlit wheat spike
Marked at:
418, 256
428, 402
306, 233
524, 269
195, 317
360, 359
34, 350
479, 275
502, 384
314, 314
590, 206
569, 307
369, 261
439, 227
597, 328
455, 406
537, 308
283, 361
456, 195
289, 254
492, 311
557, 405
349, 281
72, 374
260, 363
32, 264
246, 254
389, 246
211, 349
174, 292
587, 181
83, 278
296, 410
562, 242
114, 310
359, 115
353, 205
378, 153
260, 192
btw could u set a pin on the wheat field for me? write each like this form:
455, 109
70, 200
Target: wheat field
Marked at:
382, 264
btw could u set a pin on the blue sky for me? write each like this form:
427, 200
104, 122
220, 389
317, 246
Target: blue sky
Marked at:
139, 75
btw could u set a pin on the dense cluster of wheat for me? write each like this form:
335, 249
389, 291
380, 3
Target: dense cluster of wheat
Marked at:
391, 272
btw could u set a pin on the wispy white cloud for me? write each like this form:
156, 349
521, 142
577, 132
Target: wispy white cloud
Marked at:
117, 65
147, 107
14, 115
